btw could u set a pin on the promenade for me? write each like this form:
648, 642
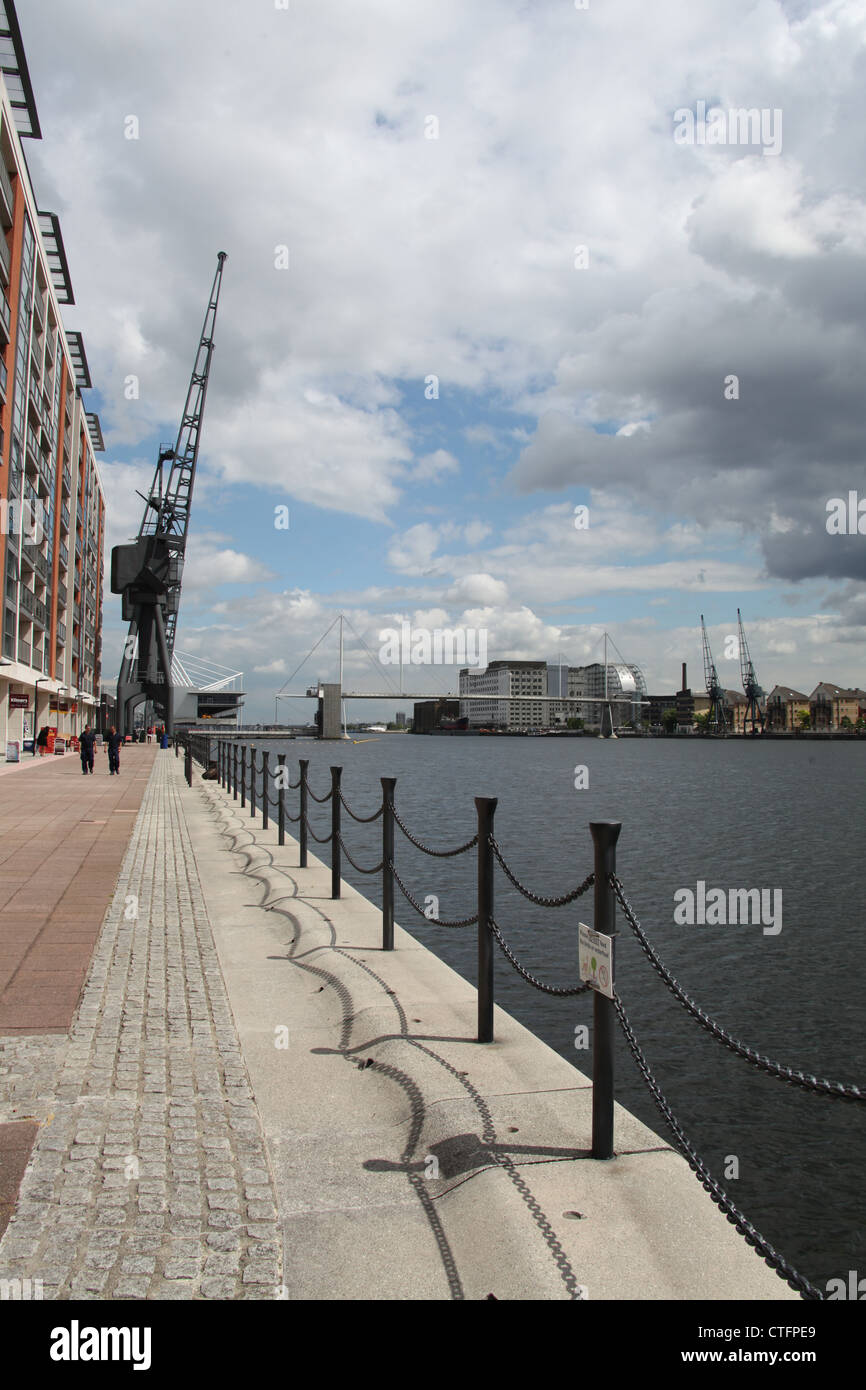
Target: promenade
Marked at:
254, 1101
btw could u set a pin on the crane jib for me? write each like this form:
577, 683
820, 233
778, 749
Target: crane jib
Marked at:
147, 572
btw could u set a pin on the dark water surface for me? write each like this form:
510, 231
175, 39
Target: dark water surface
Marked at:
736, 815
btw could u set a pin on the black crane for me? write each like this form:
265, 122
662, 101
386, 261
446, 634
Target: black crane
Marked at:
754, 694
718, 720
148, 571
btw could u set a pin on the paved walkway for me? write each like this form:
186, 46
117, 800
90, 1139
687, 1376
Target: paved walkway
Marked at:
149, 1177
62, 842
255, 1101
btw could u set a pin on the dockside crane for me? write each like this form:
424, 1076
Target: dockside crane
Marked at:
718, 721
148, 571
753, 692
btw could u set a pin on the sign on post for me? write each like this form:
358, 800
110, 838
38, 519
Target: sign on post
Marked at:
596, 959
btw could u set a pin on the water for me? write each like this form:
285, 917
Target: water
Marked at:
773, 815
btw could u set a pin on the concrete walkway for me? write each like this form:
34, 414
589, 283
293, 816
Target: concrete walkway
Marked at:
255, 1101
411, 1162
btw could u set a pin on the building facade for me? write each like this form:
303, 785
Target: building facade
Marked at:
500, 680
832, 707
787, 709
52, 505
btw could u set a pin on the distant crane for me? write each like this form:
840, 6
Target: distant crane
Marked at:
718, 721
753, 692
149, 570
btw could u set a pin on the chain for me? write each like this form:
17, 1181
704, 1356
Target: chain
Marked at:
533, 897
434, 921
435, 853
525, 974
719, 1196
838, 1089
342, 845
321, 799
362, 820
317, 838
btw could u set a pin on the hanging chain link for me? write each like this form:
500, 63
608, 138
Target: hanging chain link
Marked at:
342, 845
362, 820
321, 799
752, 1236
435, 853
434, 921
531, 979
534, 897
317, 838
837, 1089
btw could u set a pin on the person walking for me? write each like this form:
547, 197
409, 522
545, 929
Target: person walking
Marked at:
86, 744
114, 741
42, 741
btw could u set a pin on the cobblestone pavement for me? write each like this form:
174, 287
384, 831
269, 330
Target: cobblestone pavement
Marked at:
149, 1177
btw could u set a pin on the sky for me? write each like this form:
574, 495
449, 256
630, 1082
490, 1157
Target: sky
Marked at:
488, 264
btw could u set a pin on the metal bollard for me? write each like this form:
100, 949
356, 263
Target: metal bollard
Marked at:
235, 771
281, 802
388, 786
303, 764
266, 796
336, 774
243, 775
252, 780
486, 806
605, 834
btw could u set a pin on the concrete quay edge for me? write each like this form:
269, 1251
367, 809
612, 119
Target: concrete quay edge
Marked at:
367, 1076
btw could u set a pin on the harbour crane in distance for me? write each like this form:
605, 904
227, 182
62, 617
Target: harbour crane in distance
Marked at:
754, 694
148, 571
718, 721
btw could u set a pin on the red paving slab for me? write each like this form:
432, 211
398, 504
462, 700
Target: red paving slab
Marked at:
62, 842
16, 1142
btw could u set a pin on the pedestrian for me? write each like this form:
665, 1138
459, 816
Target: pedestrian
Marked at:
42, 741
86, 744
114, 741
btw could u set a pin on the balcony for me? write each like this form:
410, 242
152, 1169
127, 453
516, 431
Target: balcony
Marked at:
39, 309
64, 513
11, 590
64, 556
61, 595
7, 197
78, 547
5, 315
32, 445
67, 478
28, 555
43, 566
5, 259
4, 380
79, 515
61, 633
40, 613
23, 647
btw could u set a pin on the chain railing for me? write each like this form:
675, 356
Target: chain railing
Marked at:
608, 892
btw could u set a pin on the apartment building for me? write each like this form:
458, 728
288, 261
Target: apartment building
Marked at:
52, 506
500, 680
832, 707
786, 709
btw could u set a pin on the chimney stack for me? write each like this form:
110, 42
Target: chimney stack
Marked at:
685, 687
